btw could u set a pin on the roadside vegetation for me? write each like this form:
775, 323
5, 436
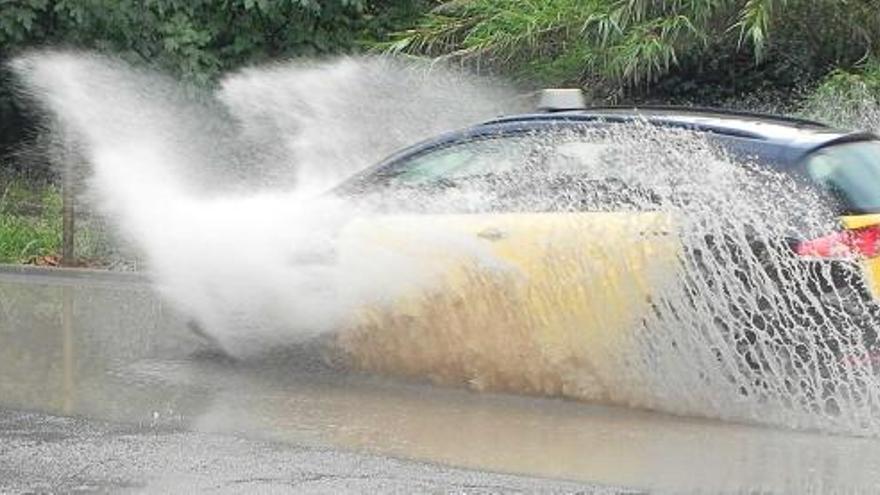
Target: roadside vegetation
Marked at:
700, 50
847, 97
31, 227
815, 58
30, 221
193, 40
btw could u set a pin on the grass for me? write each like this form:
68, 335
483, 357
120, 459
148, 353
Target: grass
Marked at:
30, 221
31, 228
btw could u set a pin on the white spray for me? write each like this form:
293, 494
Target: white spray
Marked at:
222, 194
252, 265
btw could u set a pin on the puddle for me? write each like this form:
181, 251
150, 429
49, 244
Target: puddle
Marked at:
111, 351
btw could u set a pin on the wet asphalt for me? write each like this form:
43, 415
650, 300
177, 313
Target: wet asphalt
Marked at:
41, 453
104, 389
79, 347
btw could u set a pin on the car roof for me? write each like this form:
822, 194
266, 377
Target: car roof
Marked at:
779, 141
799, 135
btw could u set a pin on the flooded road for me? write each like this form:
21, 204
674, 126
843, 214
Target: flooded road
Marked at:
104, 348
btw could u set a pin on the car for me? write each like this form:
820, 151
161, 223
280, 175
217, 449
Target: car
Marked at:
567, 283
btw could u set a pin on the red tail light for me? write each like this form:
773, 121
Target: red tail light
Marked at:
856, 243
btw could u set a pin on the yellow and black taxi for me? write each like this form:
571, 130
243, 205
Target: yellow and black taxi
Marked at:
545, 299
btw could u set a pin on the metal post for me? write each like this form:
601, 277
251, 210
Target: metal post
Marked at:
68, 257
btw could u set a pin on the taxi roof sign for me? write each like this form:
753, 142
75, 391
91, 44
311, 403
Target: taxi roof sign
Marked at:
558, 99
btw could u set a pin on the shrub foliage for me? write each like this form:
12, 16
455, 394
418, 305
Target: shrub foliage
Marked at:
194, 39
633, 46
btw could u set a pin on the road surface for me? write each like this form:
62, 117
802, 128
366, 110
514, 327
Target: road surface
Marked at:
102, 387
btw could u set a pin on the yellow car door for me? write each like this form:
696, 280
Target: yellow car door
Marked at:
533, 301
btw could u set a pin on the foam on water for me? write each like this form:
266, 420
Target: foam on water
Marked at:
684, 299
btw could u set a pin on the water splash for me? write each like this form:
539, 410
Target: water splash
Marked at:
249, 258
685, 298
333, 118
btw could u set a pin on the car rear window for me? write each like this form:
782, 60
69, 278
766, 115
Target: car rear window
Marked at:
850, 172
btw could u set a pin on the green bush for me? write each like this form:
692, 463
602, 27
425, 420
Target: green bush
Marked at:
30, 221
847, 98
631, 47
31, 227
196, 40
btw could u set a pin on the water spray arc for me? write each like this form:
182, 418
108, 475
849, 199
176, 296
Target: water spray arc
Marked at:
415, 284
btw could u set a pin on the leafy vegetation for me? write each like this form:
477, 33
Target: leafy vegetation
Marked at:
31, 227
715, 52
30, 221
194, 39
847, 97
198, 38
630, 47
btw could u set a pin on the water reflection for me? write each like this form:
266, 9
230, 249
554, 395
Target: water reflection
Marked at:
109, 350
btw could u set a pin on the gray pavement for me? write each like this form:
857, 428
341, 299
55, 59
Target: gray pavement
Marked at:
43, 453
103, 388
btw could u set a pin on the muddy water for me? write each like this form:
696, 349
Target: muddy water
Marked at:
106, 348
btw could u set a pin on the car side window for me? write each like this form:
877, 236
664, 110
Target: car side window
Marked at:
462, 161
518, 172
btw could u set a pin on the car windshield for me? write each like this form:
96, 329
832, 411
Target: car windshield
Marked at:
851, 173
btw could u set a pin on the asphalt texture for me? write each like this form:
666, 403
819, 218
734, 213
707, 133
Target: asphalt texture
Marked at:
103, 388
41, 453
